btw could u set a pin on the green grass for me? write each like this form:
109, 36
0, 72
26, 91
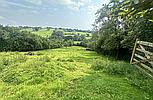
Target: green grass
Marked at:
67, 33
44, 32
69, 74
27, 29
80, 33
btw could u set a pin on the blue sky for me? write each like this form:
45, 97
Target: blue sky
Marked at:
56, 13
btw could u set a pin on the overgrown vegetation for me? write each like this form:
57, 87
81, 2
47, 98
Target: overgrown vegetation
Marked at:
132, 74
69, 74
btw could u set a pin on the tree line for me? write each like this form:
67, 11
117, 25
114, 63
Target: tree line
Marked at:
119, 24
13, 39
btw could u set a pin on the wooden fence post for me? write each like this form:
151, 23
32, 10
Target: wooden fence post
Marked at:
135, 45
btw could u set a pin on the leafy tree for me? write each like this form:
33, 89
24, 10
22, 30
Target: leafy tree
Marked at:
12, 39
57, 34
119, 23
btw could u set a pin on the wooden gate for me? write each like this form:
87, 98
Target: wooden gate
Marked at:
142, 57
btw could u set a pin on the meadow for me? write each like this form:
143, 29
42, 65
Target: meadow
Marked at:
70, 73
46, 63
44, 32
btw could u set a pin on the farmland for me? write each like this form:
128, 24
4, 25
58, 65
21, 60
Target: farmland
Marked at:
47, 32
43, 32
66, 50
68, 74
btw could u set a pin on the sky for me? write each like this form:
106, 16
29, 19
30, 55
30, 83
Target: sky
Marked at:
78, 14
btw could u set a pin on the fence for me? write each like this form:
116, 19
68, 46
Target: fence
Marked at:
142, 57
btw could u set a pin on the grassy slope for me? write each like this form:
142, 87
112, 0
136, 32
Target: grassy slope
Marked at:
43, 32
61, 74
80, 33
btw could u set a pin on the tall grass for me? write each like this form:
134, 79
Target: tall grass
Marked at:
130, 72
70, 74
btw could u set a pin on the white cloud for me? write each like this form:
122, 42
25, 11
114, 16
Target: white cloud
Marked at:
19, 5
5, 3
2, 18
71, 4
36, 2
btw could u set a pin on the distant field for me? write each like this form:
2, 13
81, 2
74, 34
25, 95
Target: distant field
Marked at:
45, 33
84, 33
27, 29
64, 74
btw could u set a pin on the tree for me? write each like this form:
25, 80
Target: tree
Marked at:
119, 23
57, 34
12, 39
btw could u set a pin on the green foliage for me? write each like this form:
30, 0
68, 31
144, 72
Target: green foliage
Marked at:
15, 40
57, 34
119, 23
11, 39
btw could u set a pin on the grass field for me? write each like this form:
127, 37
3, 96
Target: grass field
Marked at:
44, 32
81, 33
66, 74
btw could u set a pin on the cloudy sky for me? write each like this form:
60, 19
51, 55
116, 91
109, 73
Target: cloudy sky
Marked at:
56, 13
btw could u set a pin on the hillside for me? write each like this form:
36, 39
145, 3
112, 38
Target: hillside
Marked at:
69, 74
47, 32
